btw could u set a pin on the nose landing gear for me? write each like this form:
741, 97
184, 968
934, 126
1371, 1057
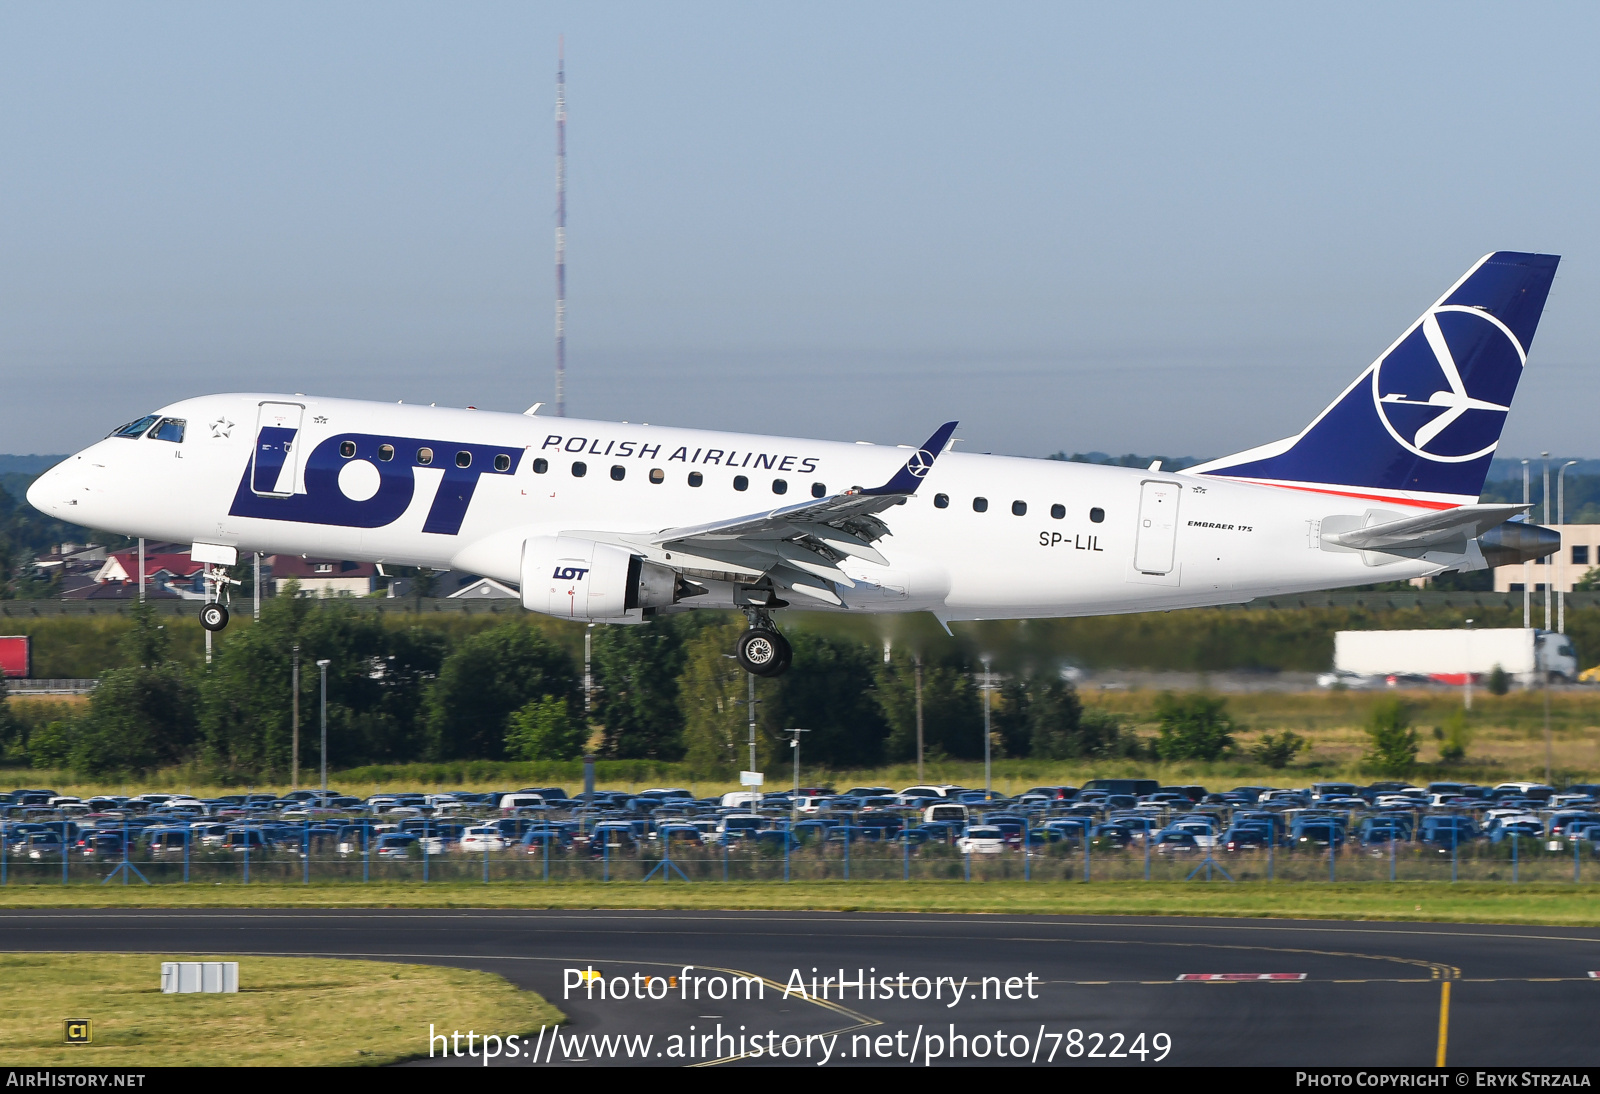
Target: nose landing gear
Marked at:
762, 651
214, 616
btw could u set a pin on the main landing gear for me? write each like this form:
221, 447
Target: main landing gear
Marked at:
762, 651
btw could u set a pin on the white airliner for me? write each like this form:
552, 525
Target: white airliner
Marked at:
615, 522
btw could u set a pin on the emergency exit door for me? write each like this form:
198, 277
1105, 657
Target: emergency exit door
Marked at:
1158, 528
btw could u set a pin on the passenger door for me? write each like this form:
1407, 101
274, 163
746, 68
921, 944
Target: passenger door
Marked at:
275, 462
1158, 528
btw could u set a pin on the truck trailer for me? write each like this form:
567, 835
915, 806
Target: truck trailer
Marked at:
1528, 655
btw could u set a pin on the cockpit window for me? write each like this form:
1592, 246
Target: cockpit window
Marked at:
170, 429
135, 429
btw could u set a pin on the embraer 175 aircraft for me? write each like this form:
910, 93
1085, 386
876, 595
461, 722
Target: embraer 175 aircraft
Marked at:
612, 522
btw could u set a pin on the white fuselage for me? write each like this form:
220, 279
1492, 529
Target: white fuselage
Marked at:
1228, 541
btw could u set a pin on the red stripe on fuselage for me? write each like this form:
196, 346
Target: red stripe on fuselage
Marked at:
1349, 494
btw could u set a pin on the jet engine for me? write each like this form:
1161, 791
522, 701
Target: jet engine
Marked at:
1514, 541
581, 579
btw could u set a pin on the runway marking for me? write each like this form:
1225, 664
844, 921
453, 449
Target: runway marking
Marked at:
1444, 1020
1235, 977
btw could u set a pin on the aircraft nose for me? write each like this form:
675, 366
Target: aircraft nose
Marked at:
49, 492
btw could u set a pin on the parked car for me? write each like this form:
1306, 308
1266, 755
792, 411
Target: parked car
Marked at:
982, 839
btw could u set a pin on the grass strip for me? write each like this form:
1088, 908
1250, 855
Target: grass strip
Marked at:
1465, 902
288, 1011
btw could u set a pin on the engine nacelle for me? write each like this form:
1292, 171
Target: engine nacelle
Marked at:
1515, 541
582, 579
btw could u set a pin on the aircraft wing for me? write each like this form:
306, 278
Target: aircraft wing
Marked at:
1428, 529
802, 544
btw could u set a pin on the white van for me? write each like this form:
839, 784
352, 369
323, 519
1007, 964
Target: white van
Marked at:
511, 802
742, 799
950, 812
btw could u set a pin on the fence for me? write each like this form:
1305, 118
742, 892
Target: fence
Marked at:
310, 856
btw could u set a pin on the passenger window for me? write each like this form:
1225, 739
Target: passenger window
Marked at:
346, 448
741, 483
540, 466
170, 429
502, 462
780, 486
618, 472
941, 501
386, 452
1097, 515
1058, 512
657, 476
695, 478
135, 429
463, 459
818, 490
1019, 508
579, 469
980, 505
424, 456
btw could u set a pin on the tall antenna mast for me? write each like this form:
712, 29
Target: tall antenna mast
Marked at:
561, 227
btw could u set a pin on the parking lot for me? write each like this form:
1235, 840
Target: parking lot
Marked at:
1108, 829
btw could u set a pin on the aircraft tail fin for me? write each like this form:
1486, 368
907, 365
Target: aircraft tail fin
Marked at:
1421, 424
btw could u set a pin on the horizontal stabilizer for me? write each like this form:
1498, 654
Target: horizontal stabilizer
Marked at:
1427, 530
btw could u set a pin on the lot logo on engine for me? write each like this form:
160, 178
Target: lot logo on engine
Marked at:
569, 573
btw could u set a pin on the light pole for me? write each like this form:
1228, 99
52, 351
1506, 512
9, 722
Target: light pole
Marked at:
794, 804
1546, 559
294, 748
916, 662
1561, 522
1527, 565
987, 686
1469, 666
322, 666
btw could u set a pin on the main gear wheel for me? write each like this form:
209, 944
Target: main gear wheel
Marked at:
762, 651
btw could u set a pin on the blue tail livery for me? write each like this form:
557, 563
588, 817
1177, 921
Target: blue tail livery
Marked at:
1421, 424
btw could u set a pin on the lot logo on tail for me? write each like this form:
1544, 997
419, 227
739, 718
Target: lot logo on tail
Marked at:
1443, 393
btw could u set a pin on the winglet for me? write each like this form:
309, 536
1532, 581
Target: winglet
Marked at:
909, 477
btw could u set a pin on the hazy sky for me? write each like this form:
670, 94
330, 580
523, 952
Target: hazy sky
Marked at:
1174, 228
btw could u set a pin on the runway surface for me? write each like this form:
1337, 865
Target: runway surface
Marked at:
1345, 993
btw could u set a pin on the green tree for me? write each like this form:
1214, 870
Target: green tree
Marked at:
546, 729
484, 679
1055, 721
829, 691
712, 692
50, 745
1392, 747
147, 644
1454, 737
139, 719
1013, 701
1277, 750
1499, 681
636, 669
952, 710
11, 733
1193, 727
377, 688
